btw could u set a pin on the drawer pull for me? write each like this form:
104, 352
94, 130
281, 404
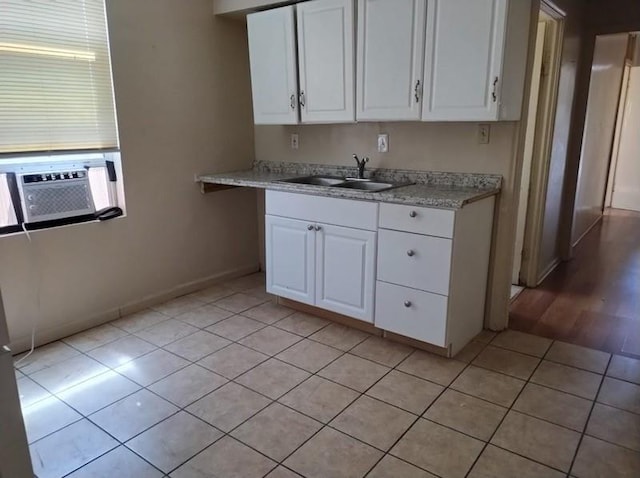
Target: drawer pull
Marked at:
407, 303
411, 253
413, 214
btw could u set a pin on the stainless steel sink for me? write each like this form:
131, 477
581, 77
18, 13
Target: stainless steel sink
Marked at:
368, 185
316, 180
346, 183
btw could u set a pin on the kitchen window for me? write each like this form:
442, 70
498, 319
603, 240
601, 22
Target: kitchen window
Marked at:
57, 105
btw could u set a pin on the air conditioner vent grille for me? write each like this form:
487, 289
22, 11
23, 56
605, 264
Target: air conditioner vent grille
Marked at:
55, 199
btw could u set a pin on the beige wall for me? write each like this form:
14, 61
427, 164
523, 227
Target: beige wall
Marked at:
182, 92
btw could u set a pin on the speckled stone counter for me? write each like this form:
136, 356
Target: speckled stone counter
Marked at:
430, 189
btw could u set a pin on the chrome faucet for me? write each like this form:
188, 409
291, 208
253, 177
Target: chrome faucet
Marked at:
361, 165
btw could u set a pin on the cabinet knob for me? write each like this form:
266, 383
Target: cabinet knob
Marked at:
407, 303
413, 214
310, 227
318, 228
411, 253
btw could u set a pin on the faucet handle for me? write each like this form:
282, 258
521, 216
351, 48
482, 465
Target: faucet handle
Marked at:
365, 160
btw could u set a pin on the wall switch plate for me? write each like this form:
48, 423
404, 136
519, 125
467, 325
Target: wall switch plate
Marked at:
294, 141
484, 133
383, 143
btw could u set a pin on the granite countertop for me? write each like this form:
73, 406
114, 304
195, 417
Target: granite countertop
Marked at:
431, 189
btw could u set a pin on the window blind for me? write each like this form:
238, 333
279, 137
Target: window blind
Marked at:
56, 91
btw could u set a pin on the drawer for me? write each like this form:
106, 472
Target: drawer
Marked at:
327, 210
412, 313
420, 220
413, 260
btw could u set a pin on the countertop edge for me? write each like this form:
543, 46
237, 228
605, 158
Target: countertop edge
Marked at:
386, 197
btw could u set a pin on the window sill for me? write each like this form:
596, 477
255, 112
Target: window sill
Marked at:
40, 226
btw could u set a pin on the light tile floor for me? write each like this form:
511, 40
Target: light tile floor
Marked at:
226, 383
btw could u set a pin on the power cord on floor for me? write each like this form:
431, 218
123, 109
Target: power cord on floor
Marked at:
34, 324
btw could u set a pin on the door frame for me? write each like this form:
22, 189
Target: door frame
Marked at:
530, 276
525, 176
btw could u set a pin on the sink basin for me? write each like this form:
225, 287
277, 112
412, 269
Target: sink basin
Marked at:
346, 183
368, 185
316, 180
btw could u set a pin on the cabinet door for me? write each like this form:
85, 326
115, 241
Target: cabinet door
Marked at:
272, 58
390, 59
463, 60
290, 256
345, 271
326, 61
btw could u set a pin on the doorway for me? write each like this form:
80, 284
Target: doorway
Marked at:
593, 300
537, 147
623, 188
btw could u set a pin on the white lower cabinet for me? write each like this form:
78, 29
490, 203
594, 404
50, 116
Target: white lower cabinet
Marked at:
318, 260
345, 271
290, 257
432, 272
417, 272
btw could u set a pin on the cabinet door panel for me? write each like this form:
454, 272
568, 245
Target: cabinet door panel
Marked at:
326, 59
272, 56
345, 271
290, 256
390, 59
464, 52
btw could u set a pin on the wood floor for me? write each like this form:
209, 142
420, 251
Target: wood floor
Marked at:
594, 299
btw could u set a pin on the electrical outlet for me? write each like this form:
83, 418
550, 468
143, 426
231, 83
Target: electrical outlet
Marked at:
484, 133
383, 143
294, 141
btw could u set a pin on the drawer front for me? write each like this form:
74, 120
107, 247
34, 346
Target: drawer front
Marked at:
420, 220
336, 211
412, 260
412, 313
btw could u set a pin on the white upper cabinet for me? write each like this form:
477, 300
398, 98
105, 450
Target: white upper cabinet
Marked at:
465, 40
475, 59
272, 55
390, 59
429, 60
326, 61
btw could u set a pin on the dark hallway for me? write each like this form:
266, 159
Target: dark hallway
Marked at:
593, 300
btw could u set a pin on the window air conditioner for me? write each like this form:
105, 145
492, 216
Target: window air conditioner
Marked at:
55, 195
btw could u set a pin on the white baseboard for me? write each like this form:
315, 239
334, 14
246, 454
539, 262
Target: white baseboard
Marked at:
45, 335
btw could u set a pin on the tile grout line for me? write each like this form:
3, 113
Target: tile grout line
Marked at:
110, 369
343, 353
388, 452
586, 423
509, 409
272, 401
180, 409
361, 394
